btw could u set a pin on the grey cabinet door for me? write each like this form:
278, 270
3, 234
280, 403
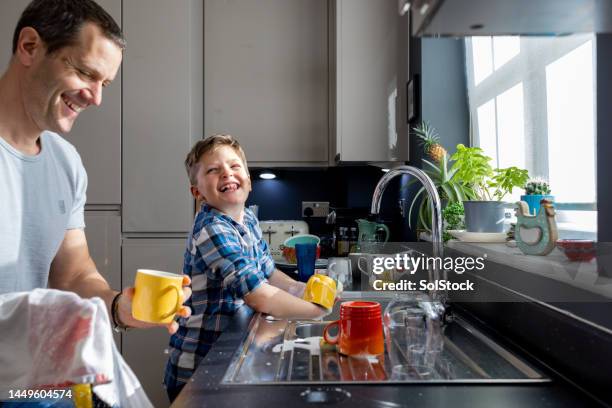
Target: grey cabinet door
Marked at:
266, 77
144, 350
97, 132
162, 108
9, 15
103, 231
366, 80
97, 136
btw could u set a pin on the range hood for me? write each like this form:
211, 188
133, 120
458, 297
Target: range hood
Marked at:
459, 18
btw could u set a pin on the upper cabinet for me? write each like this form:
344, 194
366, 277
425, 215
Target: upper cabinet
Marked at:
369, 75
162, 108
503, 17
97, 136
306, 82
266, 78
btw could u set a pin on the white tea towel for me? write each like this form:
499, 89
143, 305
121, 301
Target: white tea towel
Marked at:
55, 339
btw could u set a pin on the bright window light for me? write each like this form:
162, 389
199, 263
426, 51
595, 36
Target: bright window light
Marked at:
511, 128
483, 58
504, 49
486, 129
571, 135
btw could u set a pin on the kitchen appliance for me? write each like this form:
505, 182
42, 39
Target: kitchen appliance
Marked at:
276, 232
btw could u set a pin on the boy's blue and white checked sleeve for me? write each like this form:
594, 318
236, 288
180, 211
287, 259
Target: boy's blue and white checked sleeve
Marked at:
267, 263
222, 250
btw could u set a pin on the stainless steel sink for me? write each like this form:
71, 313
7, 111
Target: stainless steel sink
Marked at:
282, 352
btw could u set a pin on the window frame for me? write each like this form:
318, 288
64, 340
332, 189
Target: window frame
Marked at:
520, 69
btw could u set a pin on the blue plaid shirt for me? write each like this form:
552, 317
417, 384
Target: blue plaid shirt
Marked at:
225, 261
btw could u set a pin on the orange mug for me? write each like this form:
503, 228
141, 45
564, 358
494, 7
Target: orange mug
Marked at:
360, 330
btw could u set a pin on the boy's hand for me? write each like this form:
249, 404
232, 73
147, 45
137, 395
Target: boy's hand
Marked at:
124, 309
324, 312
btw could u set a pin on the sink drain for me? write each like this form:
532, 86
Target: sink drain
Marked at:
326, 395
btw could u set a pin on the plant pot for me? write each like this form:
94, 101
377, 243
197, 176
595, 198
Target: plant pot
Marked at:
484, 216
533, 201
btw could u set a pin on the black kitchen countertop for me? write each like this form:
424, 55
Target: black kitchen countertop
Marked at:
205, 388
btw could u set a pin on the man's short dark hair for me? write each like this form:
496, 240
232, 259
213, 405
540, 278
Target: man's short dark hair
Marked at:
58, 22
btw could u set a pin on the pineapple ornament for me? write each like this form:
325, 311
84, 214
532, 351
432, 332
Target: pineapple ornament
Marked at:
429, 139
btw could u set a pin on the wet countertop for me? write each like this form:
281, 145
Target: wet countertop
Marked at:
205, 388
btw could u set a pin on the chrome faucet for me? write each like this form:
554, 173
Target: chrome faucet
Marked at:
436, 219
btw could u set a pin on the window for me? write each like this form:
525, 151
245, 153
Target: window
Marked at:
532, 102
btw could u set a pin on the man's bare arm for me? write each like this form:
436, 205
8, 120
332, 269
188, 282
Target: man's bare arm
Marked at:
73, 270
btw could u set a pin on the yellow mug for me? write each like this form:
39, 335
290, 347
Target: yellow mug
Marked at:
320, 289
158, 296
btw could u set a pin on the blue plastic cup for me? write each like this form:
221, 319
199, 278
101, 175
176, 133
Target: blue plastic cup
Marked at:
306, 255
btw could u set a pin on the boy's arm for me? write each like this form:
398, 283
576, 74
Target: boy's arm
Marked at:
276, 302
284, 282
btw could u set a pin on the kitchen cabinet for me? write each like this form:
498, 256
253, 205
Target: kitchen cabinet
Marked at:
103, 231
97, 132
369, 79
266, 78
306, 82
143, 349
162, 111
97, 136
9, 15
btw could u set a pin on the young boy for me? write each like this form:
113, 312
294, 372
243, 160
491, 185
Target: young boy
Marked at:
227, 259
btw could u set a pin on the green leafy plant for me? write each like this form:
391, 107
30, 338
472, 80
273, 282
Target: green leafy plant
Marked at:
452, 215
466, 175
537, 186
505, 180
473, 168
450, 188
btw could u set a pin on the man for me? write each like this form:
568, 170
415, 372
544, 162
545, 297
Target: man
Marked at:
64, 53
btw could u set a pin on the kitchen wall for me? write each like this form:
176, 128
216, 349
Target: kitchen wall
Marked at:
444, 96
348, 187
438, 64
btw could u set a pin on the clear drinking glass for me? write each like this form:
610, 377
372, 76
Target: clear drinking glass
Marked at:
413, 338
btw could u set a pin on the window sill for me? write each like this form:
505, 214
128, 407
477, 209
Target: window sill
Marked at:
583, 275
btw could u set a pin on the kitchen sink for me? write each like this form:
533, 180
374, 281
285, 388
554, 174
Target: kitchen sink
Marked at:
288, 352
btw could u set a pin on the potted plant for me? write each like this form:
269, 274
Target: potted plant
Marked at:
453, 218
486, 212
536, 189
450, 187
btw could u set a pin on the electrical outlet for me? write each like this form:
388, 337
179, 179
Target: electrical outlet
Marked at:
315, 208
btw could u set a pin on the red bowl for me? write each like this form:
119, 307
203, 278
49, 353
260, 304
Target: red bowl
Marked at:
577, 249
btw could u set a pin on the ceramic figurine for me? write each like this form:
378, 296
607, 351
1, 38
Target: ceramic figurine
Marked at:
546, 226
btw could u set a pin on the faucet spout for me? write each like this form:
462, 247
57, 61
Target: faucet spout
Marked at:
436, 211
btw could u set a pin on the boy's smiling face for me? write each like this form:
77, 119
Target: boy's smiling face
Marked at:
223, 181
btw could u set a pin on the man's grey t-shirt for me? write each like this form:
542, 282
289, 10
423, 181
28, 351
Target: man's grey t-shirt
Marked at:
41, 197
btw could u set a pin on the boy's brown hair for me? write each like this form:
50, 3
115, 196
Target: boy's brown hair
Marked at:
211, 143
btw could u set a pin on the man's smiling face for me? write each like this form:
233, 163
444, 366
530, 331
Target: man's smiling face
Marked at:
59, 86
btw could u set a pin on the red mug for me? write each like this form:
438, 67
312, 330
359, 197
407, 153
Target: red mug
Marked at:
360, 330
